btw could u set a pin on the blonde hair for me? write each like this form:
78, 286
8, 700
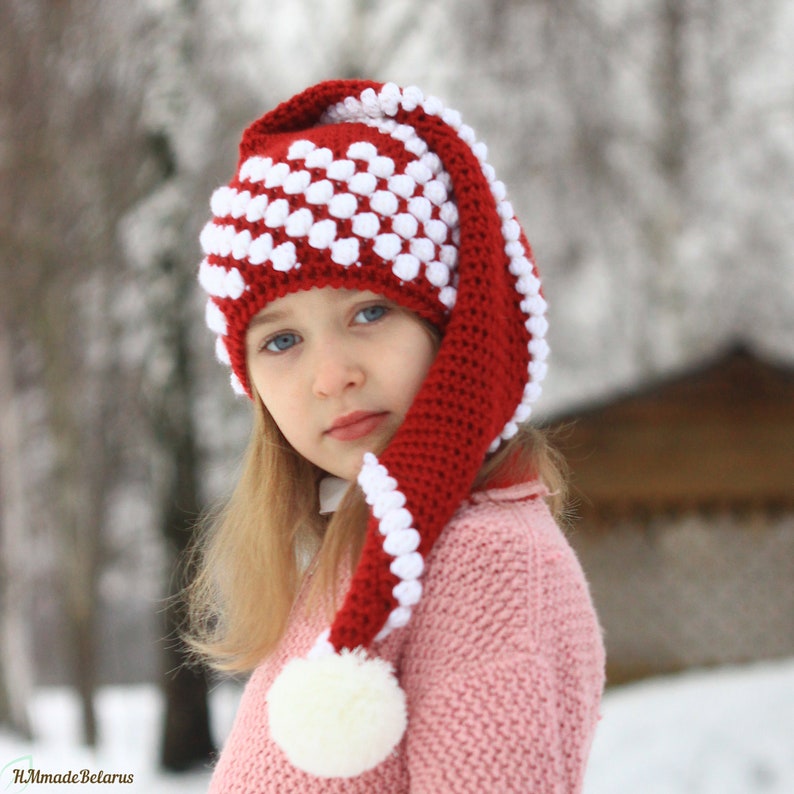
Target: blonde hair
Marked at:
253, 551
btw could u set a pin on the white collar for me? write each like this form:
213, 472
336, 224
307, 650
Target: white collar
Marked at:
331, 491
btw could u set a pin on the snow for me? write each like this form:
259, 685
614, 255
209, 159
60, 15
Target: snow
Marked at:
725, 731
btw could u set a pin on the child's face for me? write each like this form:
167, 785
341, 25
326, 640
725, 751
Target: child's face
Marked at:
337, 370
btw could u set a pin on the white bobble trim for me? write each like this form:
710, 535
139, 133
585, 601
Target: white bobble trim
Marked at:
345, 251
449, 213
221, 352
381, 167
370, 102
449, 255
412, 97
423, 249
256, 209
343, 205
401, 541
436, 192
403, 132
452, 117
511, 230
215, 319
408, 593
366, 225
320, 192
420, 208
433, 106
362, 150
385, 502
538, 370
297, 182
387, 246
405, 225
276, 175
539, 349
437, 274
437, 231
523, 412
226, 235
408, 566
322, 234
532, 392
240, 203
384, 202
260, 249
466, 134
505, 210
284, 257
406, 267
398, 618
221, 201
208, 238
403, 185
416, 146
363, 183
241, 245
529, 284
419, 172
433, 163
254, 169
299, 223
389, 98
480, 151
396, 520
341, 170
499, 190
277, 213
514, 248
319, 158
448, 296
237, 386
520, 265
537, 326
300, 149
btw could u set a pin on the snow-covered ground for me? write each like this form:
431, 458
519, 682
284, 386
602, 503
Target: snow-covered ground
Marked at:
728, 731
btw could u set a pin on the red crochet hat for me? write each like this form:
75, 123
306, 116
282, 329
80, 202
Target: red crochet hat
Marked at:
361, 185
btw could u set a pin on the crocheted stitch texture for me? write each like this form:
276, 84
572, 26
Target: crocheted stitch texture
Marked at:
502, 665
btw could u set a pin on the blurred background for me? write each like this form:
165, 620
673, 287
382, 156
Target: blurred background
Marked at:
649, 152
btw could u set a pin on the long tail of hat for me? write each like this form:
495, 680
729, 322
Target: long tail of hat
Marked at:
481, 386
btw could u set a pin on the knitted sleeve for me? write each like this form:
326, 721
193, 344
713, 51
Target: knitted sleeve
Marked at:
504, 666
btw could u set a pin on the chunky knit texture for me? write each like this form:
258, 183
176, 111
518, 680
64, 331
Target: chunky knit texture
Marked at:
359, 185
502, 665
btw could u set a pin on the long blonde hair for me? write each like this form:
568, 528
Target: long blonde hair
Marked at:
252, 552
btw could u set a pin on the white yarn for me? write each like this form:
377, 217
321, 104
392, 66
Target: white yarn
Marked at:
240, 202
260, 249
343, 206
297, 182
345, 251
300, 149
381, 167
436, 192
322, 234
437, 231
403, 185
437, 274
215, 318
362, 150
408, 566
387, 246
299, 223
222, 352
405, 225
423, 249
395, 519
284, 257
237, 386
277, 213
338, 715
366, 224
341, 170
320, 192
408, 593
276, 175
221, 201
401, 541
384, 203
406, 267
362, 183
256, 208
319, 158
240, 244
384, 502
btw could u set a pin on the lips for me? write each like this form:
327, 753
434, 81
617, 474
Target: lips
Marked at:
358, 424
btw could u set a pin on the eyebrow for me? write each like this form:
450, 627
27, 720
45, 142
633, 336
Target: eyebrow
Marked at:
269, 316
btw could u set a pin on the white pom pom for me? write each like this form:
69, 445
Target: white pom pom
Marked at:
337, 716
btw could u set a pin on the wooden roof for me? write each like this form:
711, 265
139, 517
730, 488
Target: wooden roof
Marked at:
721, 436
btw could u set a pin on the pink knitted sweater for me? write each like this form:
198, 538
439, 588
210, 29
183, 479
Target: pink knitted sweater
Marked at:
502, 665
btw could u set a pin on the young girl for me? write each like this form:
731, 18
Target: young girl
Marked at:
388, 565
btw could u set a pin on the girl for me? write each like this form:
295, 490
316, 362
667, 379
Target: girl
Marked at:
388, 565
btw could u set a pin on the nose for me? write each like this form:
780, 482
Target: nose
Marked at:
335, 371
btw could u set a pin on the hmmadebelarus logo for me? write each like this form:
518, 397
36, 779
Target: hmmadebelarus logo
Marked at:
20, 774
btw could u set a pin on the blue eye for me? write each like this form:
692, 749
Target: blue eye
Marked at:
281, 342
371, 314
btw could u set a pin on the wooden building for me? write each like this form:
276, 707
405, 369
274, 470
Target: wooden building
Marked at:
685, 503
